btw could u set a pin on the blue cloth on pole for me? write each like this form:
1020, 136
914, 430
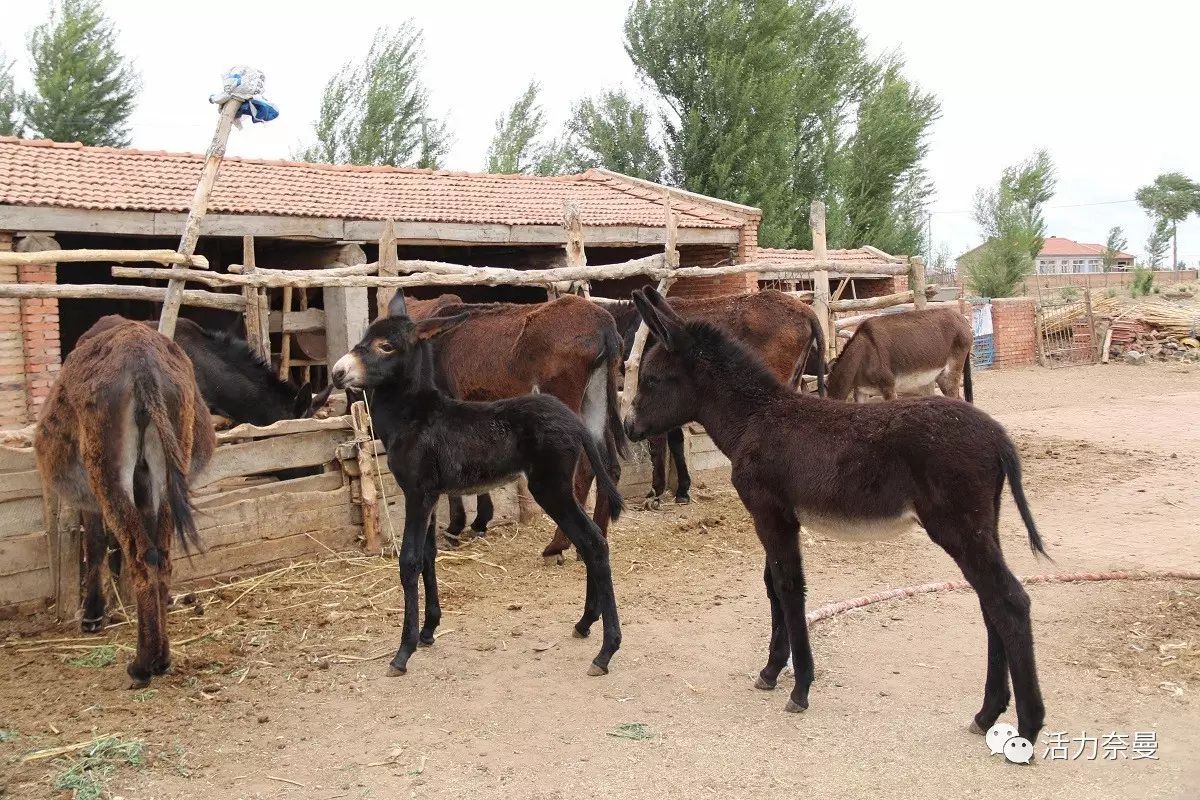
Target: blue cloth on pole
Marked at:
258, 110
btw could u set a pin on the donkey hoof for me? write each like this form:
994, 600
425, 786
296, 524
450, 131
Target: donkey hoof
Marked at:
425, 640
683, 499
793, 707
653, 504
91, 625
762, 683
138, 678
393, 670
554, 560
163, 668
595, 670
578, 633
976, 729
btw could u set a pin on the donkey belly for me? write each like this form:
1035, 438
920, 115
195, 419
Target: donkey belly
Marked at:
859, 529
483, 487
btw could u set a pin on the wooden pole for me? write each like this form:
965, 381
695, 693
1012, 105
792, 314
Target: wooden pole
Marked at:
65, 554
1087, 304
634, 364
191, 229
368, 475
253, 315
389, 266
285, 338
76, 256
916, 279
108, 291
821, 297
576, 256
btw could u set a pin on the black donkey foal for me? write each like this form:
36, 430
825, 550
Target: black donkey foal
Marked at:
438, 445
853, 471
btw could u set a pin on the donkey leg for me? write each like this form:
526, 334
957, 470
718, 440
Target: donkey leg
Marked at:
975, 547
684, 480
418, 506
484, 511
149, 617
95, 543
554, 495
779, 531
164, 528
458, 518
777, 653
433, 608
658, 465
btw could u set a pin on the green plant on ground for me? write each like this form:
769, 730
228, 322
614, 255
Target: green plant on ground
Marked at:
97, 657
1069, 294
632, 730
145, 695
85, 775
1110, 292
7, 735
1143, 281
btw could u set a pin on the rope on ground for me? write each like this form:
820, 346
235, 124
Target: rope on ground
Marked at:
833, 609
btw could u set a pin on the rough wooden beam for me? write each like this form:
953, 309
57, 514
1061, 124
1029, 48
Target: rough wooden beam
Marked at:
312, 319
388, 265
916, 282
821, 298
259, 342
79, 256
191, 229
105, 291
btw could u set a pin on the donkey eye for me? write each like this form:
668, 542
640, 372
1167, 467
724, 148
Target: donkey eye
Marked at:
385, 347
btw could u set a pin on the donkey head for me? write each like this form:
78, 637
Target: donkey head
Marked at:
667, 395
393, 351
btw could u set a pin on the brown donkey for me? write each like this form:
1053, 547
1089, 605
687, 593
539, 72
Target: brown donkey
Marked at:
906, 353
568, 348
853, 471
784, 331
122, 431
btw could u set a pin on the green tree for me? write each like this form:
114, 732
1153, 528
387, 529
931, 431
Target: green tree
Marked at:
882, 189
376, 111
10, 122
1010, 215
1113, 246
518, 146
1157, 242
1173, 197
774, 103
83, 88
614, 132
725, 70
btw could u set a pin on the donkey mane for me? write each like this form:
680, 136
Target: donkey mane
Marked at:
717, 350
239, 355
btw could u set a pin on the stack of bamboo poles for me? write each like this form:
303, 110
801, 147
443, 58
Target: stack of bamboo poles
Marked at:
1063, 319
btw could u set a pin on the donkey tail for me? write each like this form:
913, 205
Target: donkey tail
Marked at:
165, 457
816, 347
968, 391
1010, 462
612, 354
604, 479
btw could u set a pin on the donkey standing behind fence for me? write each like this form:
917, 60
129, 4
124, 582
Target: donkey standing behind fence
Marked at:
568, 348
905, 353
122, 431
439, 445
853, 471
236, 383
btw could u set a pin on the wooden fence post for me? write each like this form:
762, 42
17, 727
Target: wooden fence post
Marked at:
65, 554
916, 279
389, 265
368, 475
576, 256
258, 332
634, 362
191, 229
821, 296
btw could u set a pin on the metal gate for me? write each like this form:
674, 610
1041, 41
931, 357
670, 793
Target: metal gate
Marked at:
1066, 329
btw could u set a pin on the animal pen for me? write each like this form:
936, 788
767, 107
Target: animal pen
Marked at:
249, 519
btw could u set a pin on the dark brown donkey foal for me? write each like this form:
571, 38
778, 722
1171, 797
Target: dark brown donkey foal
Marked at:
854, 471
439, 445
122, 431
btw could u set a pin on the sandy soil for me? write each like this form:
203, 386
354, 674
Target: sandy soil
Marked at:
283, 693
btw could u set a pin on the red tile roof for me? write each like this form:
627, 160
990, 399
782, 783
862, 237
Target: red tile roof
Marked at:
44, 173
1057, 246
863, 257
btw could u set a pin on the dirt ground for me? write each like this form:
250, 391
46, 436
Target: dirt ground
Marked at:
279, 688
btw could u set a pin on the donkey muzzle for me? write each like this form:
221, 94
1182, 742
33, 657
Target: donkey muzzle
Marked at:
347, 373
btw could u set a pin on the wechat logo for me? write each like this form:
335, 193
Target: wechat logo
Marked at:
1003, 738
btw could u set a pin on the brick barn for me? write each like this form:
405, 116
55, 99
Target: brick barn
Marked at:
71, 196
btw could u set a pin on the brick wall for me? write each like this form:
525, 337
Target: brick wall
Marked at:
1014, 321
30, 356
747, 250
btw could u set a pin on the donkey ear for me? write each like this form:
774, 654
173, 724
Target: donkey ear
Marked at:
666, 330
660, 303
435, 326
398, 306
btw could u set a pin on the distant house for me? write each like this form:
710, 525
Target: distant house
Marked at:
1060, 256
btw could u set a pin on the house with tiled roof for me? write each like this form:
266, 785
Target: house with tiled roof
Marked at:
55, 195
1061, 255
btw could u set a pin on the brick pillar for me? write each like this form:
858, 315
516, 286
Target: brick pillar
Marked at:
41, 353
1014, 321
748, 251
13, 411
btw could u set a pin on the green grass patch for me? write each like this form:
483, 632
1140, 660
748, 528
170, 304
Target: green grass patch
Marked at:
7, 735
145, 695
85, 775
104, 655
633, 730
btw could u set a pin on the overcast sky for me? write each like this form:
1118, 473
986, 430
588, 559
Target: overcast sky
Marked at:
1106, 87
